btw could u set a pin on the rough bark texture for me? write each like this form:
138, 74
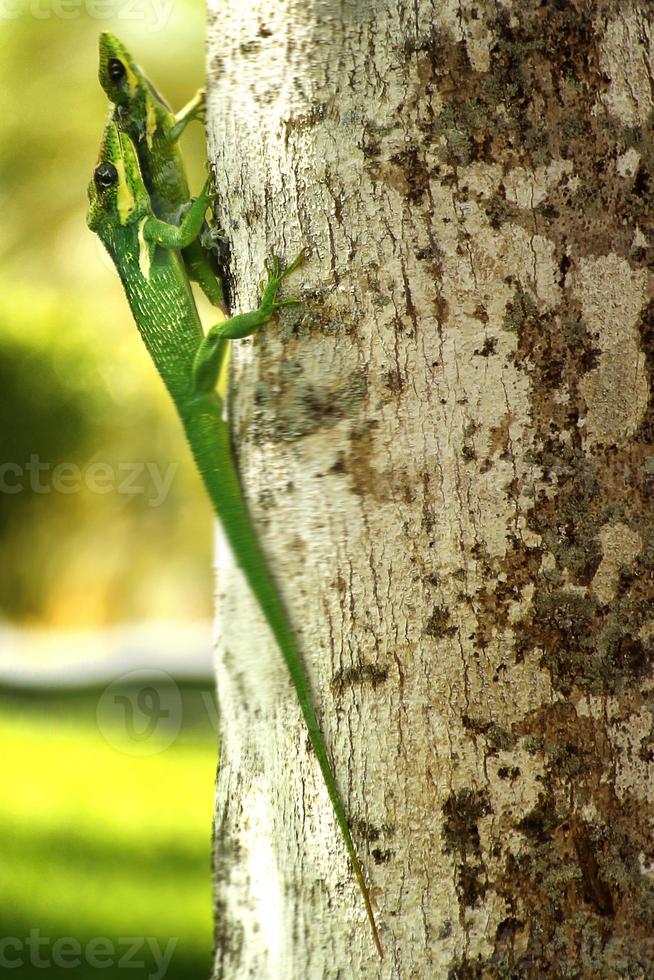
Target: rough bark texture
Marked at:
449, 455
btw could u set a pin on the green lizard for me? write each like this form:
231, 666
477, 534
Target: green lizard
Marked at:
145, 251
142, 113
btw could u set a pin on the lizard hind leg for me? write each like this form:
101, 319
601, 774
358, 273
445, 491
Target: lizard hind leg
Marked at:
199, 268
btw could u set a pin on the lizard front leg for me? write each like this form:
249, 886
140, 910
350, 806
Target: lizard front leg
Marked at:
194, 109
209, 357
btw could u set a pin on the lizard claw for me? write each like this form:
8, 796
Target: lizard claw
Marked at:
297, 262
276, 274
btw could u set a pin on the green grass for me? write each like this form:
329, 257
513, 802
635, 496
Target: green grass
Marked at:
97, 842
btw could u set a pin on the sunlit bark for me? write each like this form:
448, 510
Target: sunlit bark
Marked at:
448, 453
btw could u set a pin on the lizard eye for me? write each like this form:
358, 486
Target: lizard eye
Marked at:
116, 70
105, 176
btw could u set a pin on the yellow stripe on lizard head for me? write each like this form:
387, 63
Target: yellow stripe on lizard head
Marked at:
132, 79
130, 192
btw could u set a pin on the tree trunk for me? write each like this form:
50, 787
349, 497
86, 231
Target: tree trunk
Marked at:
447, 453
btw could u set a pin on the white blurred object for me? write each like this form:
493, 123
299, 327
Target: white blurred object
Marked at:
74, 658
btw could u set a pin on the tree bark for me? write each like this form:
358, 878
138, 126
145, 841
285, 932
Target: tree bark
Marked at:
448, 454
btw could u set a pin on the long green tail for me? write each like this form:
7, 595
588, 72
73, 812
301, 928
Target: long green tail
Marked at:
209, 439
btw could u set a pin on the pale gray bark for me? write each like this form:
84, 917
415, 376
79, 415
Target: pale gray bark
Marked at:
447, 453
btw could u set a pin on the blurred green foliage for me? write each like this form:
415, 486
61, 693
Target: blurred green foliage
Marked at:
104, 843
77, 387
93, 841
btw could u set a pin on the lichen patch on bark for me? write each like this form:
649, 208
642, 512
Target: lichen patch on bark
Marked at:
625, 60
611, 296
620, 547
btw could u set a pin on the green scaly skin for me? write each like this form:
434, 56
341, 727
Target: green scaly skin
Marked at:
145, 251
154, 129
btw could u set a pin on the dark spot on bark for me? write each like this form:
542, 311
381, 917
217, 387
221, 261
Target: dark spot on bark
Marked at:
412, 163
489, 347
394, 381
628, 655
229, 935
538, 824
338, 467
363, 830
437, 624
499, 210
646, 329
642, 183
646, 750
507, 931
564, 266
522, 313
596, 890
466, 970
428, 517
365, 674
434, 43
462, 811
580, 345
229, 939
471, 884
217, 66
496, 737
249, 47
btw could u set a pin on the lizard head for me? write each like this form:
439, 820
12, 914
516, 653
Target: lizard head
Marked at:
117, 194
119, 75
131, 91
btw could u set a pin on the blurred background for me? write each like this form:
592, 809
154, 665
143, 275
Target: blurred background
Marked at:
107, 713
